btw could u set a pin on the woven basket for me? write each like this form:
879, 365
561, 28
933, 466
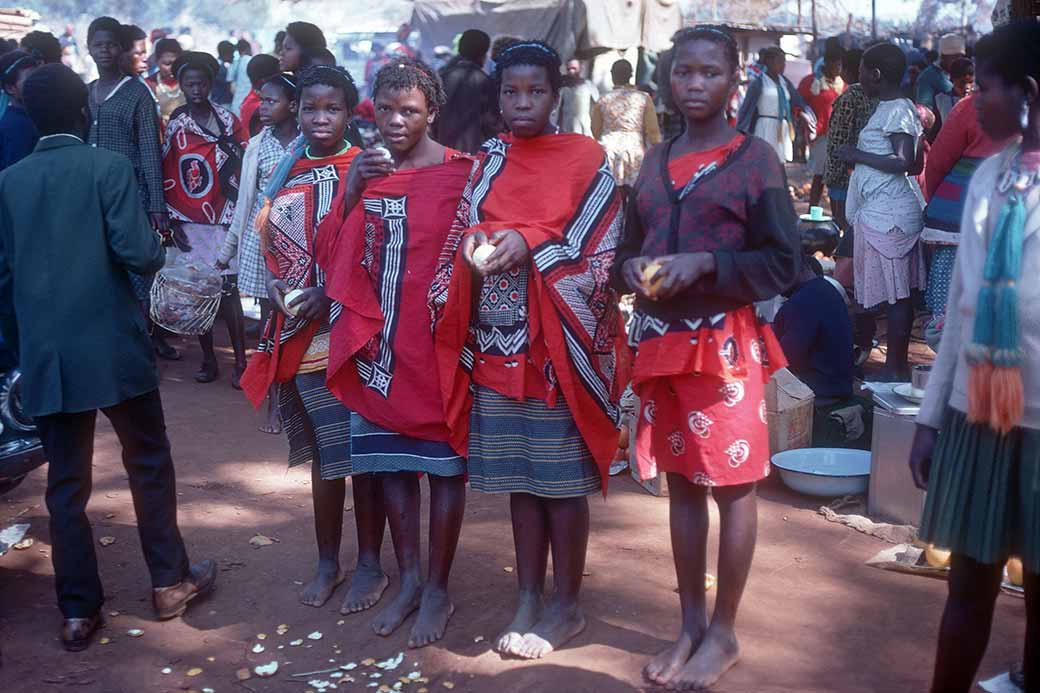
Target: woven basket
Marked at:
183, 307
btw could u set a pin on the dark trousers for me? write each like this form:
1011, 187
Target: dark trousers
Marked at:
68, 440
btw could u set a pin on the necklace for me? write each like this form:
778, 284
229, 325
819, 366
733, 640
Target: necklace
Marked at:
1015, 176
307, 152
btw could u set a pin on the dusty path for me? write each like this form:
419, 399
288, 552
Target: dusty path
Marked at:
814, 619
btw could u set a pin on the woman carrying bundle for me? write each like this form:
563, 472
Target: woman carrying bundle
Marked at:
202, 162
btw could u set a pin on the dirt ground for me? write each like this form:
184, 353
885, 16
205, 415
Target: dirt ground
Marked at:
815, 618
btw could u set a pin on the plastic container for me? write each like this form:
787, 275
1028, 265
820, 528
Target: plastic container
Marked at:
186, 295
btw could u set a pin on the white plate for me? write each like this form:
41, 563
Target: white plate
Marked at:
907, 392
808, 217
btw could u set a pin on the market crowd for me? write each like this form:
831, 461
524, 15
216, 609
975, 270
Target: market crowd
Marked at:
440, 259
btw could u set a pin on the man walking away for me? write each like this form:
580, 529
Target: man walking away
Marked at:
468, 117
67, 304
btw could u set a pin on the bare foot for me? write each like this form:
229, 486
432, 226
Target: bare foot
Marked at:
717, 653
273, 420
528, 612
325, 581
435, 611
367, 585
663, 668
558, 625
405, 602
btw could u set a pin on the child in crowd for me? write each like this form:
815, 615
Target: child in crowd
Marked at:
768, 108
18, 135
122, 120
526, 339
710, 231
260, 69
164, 83
977, 448
884, 204
294, 351
202, 163
277, 114
300, 38
381, 265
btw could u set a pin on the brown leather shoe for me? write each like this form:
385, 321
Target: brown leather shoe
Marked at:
170, 602
76, 633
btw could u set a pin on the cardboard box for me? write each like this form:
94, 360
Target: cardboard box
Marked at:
789, 412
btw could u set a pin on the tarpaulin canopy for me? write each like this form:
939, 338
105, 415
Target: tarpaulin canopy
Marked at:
558, 22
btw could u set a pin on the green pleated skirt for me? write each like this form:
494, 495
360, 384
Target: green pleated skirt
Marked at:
984, 493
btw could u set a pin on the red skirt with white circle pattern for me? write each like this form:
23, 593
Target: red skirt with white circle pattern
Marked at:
701, 388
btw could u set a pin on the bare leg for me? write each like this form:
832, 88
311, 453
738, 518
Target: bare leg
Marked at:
272, 419
231, 311
328, 498
900, 325
562, 618
368, 582
531, 541
401, 495
1031, 662
816, 191
688, 515
447, 507
964, 633
209, 371
719, 651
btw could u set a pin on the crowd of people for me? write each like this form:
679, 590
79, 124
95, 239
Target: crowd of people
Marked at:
442, 299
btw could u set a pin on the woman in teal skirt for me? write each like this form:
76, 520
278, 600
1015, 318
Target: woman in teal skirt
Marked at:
977, 448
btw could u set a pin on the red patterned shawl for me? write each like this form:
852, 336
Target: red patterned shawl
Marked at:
293, 226
201, 169
558, 192
380, 265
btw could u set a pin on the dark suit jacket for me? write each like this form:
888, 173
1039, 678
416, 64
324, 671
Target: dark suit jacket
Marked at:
71, 226
469, 117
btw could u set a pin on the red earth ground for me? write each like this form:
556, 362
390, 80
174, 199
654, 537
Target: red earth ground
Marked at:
814, 618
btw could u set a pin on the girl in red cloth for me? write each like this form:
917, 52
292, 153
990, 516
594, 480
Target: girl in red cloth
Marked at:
294, 349
202, 166
710, 231
526, 339
380, 266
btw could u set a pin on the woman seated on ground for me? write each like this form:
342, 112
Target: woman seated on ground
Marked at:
399, 211
526, 339
294, 350
202, 163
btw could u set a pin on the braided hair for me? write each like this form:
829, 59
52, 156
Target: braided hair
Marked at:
330, 76
534, 53
710, 34
403, 74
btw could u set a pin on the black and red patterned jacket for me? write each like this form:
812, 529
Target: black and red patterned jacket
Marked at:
740, 211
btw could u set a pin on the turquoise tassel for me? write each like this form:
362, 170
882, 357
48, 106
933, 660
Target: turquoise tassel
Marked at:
984, 313
4, 102
996, 318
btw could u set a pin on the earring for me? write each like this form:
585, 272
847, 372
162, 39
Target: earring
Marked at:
1023, 115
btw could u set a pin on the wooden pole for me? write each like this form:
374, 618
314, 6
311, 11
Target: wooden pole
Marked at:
813, 10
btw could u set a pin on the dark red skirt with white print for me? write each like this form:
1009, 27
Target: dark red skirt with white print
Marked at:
701, 386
